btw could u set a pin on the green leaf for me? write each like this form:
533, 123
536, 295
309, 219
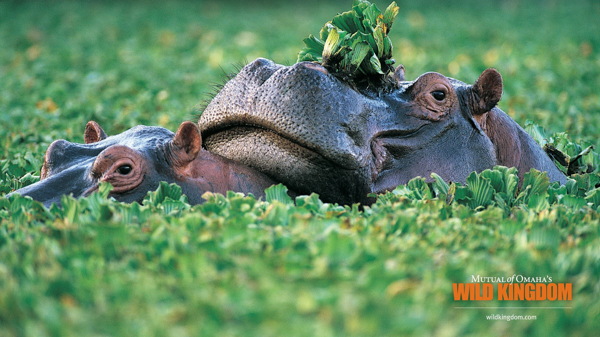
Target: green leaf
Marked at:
534, 188
165, 191
390, 15
359, 53
313, 43
311, 203
387, 50
276, 214
370, 39
505, 181
537, 132
593, 196
346, 22
460, 193
378, 37
440, 187
359, 6
573, 201
132, 213
308, 56
419, 189
375, 65
371, 13
481, 190
324, 32
538, 202
332, 44
70, 208
313, 50
544, 238
278, 192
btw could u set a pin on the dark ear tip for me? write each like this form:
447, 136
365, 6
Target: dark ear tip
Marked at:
488, 91
188, 137
490, 78
492, 71
187, 127
93, 132
92, 126
491, 75
490, 83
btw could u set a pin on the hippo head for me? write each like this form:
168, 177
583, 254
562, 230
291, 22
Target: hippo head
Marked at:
308, 129
133, 162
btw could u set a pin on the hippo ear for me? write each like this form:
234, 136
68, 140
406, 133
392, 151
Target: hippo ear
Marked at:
486, 92
399, 73
93, 133
186, 144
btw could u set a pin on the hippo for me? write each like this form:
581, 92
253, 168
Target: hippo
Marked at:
135, 161
314, 132
304, 127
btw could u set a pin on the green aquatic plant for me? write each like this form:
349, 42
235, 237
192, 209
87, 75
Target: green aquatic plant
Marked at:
355, 44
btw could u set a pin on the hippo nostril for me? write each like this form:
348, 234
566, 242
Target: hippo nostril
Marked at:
261, 63
62, 154
260, 70
57, 145
53, 156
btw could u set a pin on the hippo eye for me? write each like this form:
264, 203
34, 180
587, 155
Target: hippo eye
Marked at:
124, 169
439, 95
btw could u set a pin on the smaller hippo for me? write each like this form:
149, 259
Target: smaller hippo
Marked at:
135, 161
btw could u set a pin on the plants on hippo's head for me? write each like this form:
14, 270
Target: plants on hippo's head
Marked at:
355, 44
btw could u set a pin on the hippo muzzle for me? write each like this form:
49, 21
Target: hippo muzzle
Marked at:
71, 181
299, 125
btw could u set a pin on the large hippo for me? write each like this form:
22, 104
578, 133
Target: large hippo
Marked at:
304, 127
135, 161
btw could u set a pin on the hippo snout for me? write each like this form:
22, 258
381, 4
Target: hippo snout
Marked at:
301, 105
73, 181
65, 171
62, 154
259, 71
297, 124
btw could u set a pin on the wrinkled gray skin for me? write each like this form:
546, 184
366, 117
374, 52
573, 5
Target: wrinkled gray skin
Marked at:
307, 129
